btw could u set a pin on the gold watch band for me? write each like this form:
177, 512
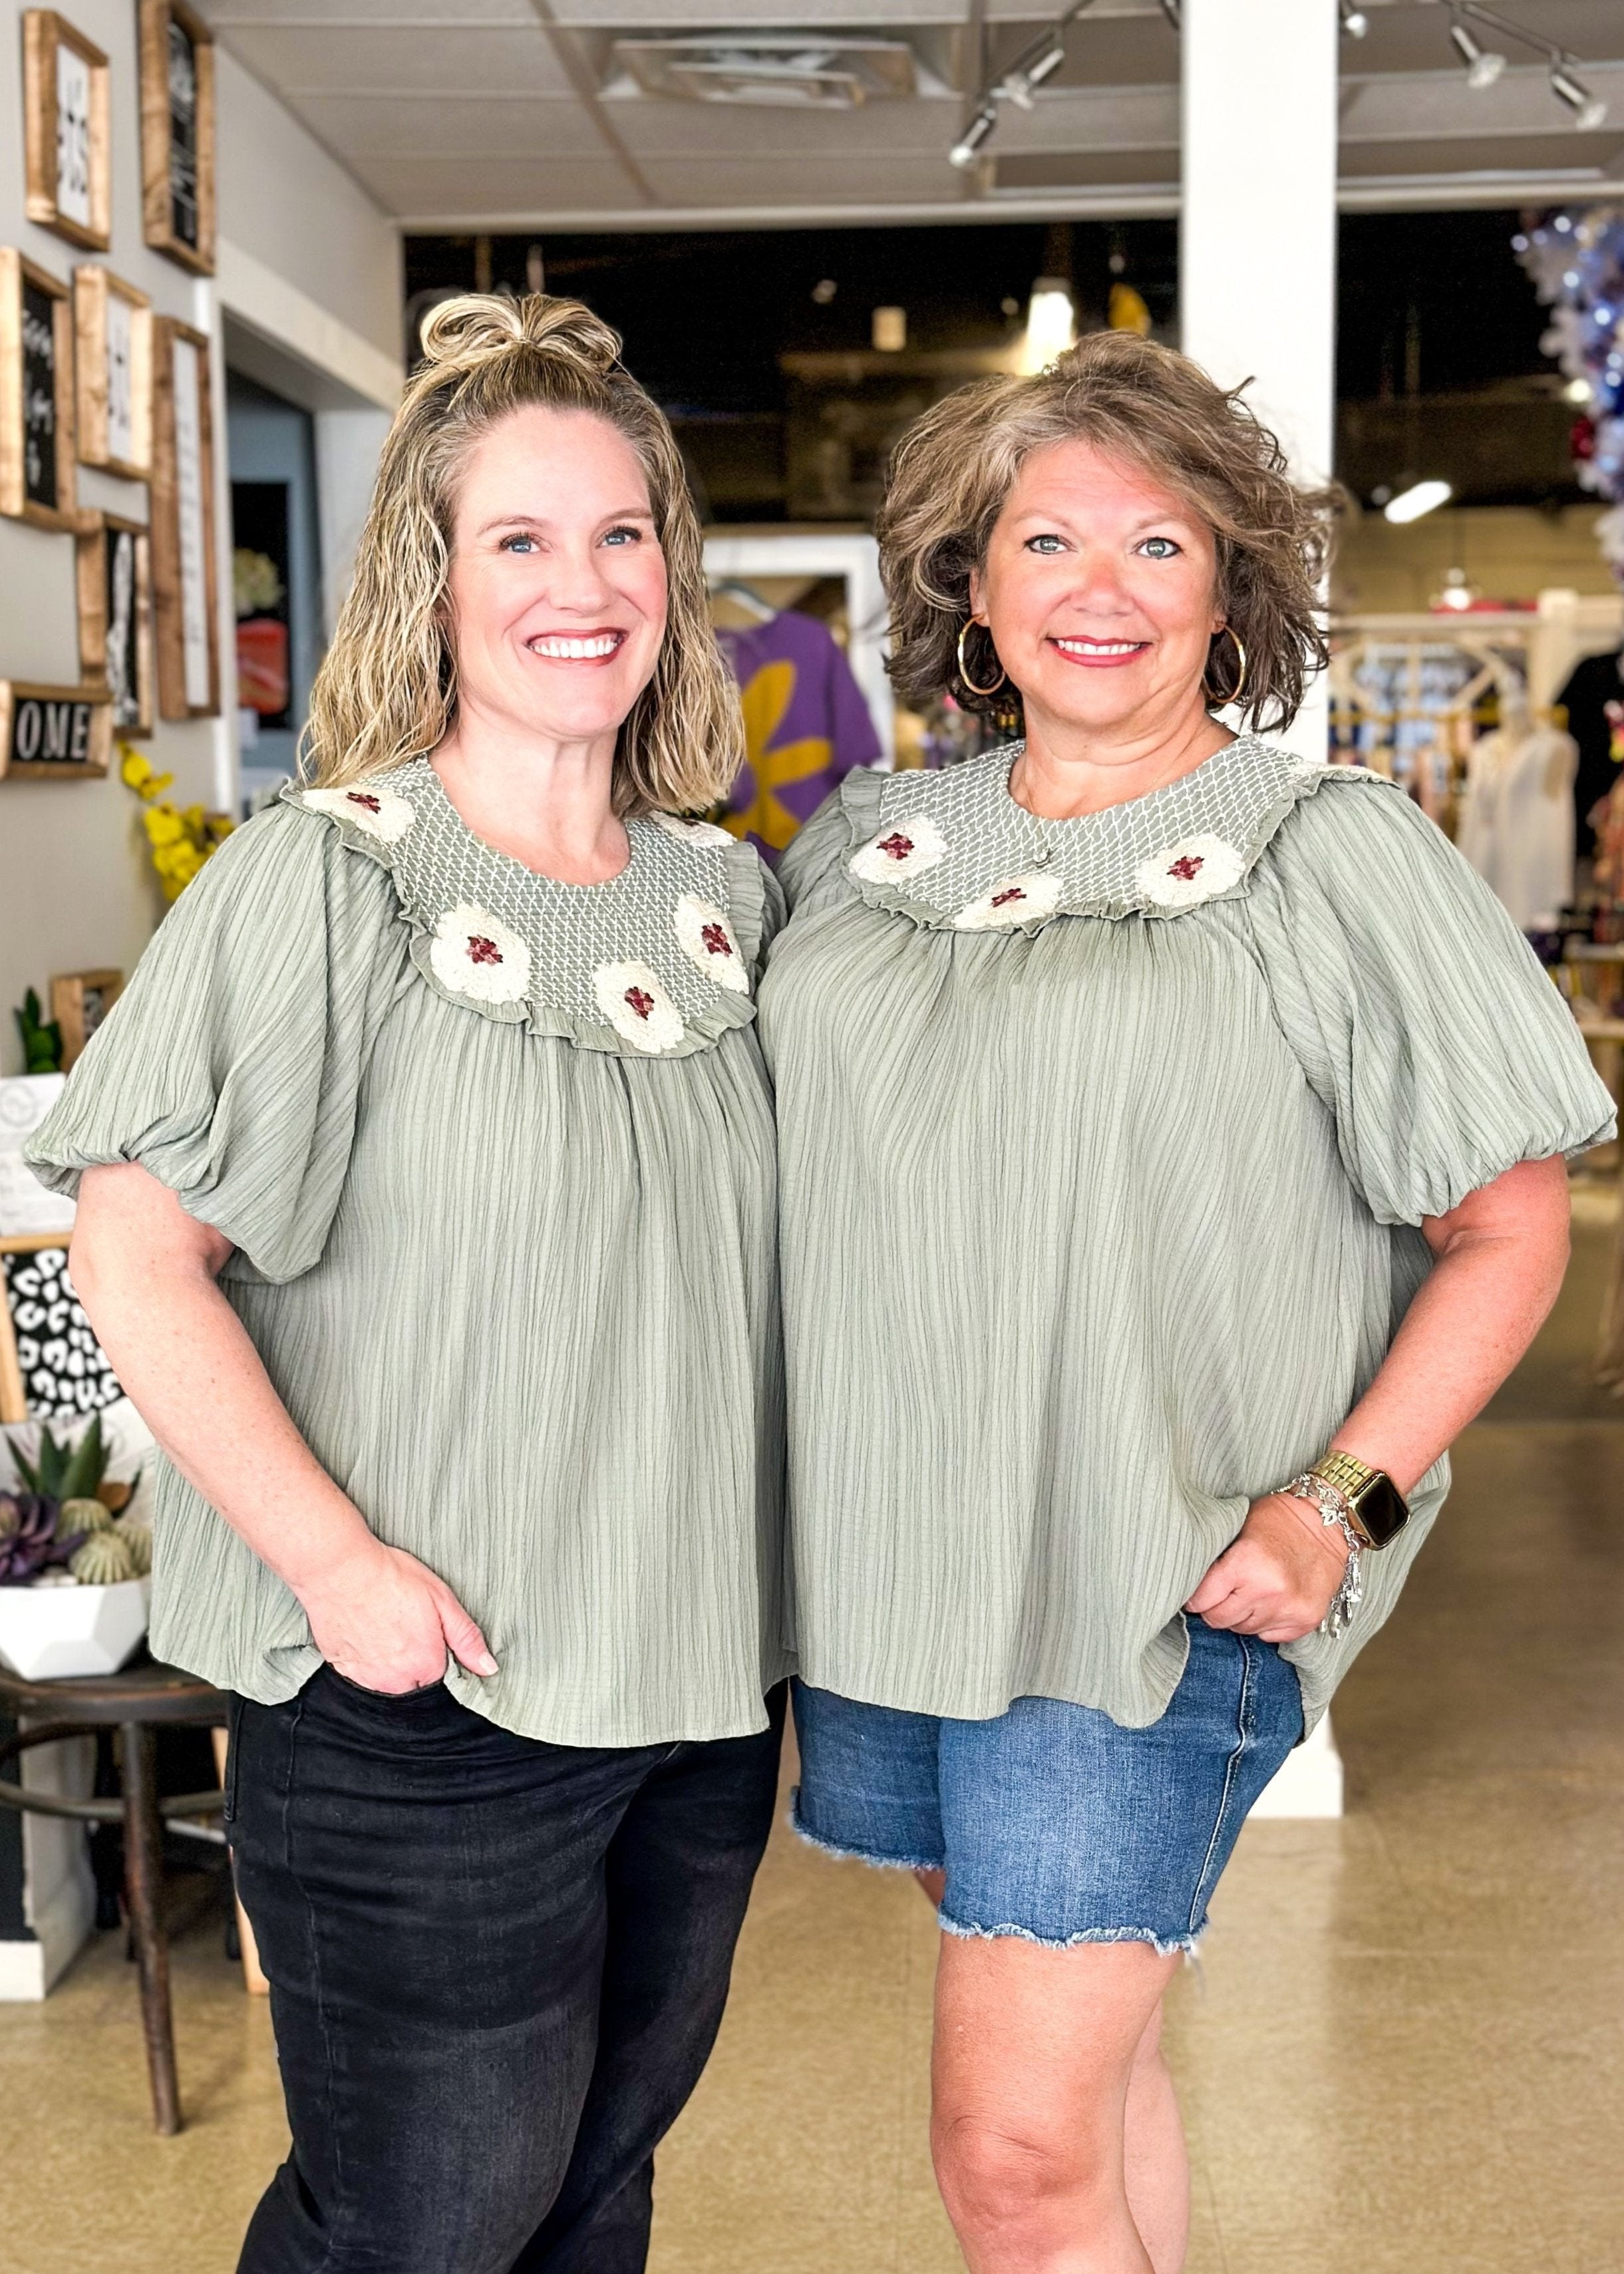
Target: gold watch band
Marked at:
1376, 1508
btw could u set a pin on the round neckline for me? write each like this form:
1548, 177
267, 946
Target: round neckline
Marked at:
1142, 804
511, 860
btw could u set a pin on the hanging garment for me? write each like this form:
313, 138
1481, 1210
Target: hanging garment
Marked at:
1516, 825
805, 726
1594, 701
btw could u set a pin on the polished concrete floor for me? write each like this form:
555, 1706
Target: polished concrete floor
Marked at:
1400, 2055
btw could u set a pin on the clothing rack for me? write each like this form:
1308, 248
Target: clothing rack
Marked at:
737, 559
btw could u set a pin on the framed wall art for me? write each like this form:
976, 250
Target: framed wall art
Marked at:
67, 134
177, 133
80, 1001
54, 734
52, 1368
115, 618
36, 395
186, 611
112, 365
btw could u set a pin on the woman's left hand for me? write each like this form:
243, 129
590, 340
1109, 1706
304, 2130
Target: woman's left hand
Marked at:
1277, 1579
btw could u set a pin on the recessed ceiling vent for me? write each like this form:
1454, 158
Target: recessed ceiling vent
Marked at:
793, 69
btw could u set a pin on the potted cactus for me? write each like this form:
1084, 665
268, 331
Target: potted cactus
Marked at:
74, 1564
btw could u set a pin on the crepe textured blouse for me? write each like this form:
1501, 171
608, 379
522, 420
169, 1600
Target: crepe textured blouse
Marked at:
495, 1156
1104, 1146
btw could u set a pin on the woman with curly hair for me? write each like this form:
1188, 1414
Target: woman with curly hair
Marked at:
1171, 1139
425, 1183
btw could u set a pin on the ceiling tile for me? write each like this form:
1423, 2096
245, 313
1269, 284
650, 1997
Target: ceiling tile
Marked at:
880, 129
451, 126
472, 189
474, 59
411, 14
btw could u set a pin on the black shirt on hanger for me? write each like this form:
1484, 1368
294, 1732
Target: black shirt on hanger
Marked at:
1594, 701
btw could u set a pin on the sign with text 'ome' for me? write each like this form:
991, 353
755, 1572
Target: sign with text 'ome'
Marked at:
54, 734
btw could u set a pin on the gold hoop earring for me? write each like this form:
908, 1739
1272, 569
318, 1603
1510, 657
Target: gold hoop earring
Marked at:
964, 676
1240, 684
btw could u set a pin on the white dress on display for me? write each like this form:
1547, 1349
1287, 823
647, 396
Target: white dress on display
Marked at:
1516, 824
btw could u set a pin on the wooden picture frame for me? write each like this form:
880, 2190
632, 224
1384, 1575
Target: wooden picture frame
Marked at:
116, 618
113, 374
79, 1000
54, 734
67, 131
185, 595
36, 395
177, 133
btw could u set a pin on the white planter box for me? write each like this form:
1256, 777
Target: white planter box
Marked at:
46, 1632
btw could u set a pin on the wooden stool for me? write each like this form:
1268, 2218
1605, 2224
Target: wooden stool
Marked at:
132, 1702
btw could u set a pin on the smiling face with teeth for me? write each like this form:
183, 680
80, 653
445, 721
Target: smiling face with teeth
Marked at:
556, 594
1099, 587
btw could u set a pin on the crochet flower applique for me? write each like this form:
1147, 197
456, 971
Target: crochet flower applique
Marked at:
691, 832
1181, 875
376, 812
1017, 900
474, 954
705, 934
903, 850
637, 1005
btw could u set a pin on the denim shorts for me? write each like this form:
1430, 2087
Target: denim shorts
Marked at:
1051, 1822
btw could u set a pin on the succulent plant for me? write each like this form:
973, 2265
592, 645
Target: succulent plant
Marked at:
60, 1472
102, 1561
82, 1514
137, 1538
29, 1537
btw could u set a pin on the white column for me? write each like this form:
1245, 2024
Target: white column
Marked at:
1257, 300
1257, 236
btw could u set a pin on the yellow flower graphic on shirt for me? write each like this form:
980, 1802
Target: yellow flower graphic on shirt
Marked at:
766, 696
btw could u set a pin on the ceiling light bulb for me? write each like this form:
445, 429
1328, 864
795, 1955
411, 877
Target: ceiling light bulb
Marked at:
1577, 390
1589, 110
1482, 65
963, 152
1419, 498
1051, 322
1355, 23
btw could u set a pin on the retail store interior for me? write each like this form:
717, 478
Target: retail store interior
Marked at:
222, 227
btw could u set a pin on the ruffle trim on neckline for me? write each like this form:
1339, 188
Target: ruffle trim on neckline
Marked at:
953, 852
702, 905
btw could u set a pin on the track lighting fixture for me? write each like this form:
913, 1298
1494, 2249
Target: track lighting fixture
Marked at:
1589, 110
1039, 61
1483, 65
963, 151
1355, 22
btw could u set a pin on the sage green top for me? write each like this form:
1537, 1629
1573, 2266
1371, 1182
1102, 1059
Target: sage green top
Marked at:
495, 1156
1103, 1149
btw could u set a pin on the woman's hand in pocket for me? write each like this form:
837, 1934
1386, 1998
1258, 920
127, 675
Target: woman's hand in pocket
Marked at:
384, 1621
1277, 1579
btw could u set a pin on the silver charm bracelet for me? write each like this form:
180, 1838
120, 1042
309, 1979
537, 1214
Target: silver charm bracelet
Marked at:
1333, 1509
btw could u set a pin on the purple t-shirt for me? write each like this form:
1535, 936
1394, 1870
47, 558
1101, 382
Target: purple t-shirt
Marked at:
805, 726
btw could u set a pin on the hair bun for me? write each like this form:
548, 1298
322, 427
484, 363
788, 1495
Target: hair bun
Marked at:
476, 328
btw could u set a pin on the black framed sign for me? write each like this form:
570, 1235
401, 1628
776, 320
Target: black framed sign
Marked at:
177, 133
36, 395
54, 734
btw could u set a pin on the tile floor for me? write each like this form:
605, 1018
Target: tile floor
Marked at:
1400, 2054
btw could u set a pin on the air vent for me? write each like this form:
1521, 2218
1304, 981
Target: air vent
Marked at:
794, 70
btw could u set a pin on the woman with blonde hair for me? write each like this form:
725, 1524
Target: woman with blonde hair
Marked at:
1171, 1158
426, 1179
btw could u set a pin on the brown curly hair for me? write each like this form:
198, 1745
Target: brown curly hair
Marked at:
1128, 396
388, 688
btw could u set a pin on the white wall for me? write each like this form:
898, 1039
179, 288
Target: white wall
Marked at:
311, 269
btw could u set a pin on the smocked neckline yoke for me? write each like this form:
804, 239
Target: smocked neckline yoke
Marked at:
653, 962
954, 851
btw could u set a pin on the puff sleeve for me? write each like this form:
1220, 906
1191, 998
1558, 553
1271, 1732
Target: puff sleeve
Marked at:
231, 1065
1418, 1011
812, 871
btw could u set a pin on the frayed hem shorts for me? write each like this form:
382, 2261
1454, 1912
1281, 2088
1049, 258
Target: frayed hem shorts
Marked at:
1051, 1822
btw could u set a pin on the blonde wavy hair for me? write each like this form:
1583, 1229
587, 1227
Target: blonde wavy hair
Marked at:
1138, 401
388, 690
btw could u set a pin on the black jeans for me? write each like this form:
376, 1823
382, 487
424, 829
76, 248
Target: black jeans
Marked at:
497, 1969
